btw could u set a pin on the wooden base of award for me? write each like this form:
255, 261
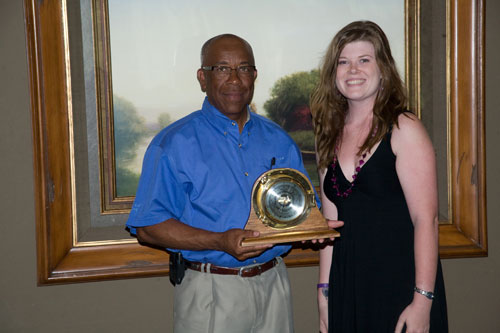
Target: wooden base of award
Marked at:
314, 227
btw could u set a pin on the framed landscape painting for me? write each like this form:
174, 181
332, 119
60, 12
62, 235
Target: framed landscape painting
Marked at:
105, 76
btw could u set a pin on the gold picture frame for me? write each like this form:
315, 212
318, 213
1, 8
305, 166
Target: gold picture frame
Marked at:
61, 260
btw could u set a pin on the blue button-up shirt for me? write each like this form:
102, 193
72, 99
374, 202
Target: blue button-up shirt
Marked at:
200, 170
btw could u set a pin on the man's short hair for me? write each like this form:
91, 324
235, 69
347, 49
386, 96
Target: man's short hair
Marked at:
207, 44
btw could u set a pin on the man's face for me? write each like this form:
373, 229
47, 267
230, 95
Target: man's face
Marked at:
230, 94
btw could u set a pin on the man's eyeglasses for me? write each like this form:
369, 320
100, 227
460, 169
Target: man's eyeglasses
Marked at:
223, 71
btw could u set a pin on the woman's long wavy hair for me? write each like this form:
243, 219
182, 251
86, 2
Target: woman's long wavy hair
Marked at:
329, 107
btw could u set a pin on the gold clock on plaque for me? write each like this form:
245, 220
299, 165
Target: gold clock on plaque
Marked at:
284, 209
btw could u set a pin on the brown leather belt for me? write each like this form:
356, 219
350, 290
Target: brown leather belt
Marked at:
247, 271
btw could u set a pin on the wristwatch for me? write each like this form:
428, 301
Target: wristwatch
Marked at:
428, 294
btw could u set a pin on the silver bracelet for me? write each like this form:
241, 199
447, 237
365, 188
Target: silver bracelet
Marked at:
428, 294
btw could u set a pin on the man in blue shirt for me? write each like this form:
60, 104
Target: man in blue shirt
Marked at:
194, 198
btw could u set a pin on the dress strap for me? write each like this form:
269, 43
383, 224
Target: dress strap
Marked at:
388, 137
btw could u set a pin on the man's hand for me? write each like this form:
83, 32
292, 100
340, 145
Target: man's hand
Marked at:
231, 243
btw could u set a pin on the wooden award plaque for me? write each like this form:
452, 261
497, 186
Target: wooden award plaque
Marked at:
283, 209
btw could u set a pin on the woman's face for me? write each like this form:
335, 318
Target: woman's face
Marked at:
358, 75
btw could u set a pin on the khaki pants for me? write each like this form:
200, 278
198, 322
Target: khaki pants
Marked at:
213, 303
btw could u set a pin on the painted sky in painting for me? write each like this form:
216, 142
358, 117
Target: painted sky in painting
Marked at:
155, 44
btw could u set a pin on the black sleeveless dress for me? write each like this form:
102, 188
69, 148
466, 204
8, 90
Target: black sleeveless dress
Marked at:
373, 270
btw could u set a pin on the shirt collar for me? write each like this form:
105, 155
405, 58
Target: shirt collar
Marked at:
220, 120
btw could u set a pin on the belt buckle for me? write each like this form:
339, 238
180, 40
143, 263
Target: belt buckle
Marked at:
244, 269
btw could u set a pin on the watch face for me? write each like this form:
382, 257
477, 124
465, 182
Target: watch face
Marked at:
285, 201
282, 198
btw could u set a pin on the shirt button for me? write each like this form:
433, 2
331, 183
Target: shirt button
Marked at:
246, 174
239, 145
225, 133
233, 123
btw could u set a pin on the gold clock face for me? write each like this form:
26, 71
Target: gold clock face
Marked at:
282, 198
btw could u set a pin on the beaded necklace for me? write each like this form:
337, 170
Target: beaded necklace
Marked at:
361, 161
346, 193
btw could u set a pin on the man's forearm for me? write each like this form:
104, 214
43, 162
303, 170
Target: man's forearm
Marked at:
177, 235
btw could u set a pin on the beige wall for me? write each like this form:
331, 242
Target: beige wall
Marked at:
145, 305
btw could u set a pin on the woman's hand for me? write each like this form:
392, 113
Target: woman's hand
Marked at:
332, 224
416, 316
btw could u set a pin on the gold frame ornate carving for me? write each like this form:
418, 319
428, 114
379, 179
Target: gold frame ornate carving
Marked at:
61, 260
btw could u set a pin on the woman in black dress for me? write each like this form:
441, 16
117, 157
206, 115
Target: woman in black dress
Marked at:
377, 175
